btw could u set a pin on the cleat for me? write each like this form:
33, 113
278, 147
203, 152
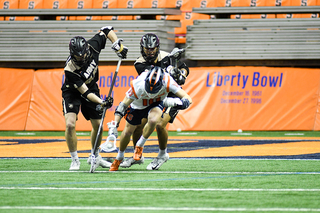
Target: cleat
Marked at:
115, 165
137, 153
130, 161
75, 165
157, 162
100, 162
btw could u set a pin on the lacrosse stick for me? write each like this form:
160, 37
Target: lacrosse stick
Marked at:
174, 56
95, 147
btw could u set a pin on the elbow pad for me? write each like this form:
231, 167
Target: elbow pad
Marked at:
106, 30
121, 109
85, 95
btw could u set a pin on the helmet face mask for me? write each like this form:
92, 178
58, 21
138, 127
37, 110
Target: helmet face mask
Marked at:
149, 47
154, 82
79, 50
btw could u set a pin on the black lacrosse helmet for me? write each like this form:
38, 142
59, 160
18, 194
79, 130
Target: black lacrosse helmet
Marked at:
154, 81
149, 47
79, 50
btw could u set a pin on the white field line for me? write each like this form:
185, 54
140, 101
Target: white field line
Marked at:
170, 172
160, 189
159, 208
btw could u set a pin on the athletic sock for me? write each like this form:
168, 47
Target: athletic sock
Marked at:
141, 141
74, 155
120, 155
162, 153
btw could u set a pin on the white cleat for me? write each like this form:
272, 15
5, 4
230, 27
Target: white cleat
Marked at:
130, 161
75, 165
99, 162
157, 162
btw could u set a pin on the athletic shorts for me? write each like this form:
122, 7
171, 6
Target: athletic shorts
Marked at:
172, 111
72, 102
134, 116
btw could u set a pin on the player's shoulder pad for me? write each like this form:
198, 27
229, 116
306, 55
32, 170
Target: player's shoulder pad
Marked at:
140, 59
163, 54
70, 66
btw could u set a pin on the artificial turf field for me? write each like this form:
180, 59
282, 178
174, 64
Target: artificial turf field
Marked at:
207, 172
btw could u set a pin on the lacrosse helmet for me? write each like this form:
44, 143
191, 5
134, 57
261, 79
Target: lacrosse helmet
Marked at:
149, 47
79, 50
154, 82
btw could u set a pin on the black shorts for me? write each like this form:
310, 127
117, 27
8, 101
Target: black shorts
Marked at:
172, 111
134, 116
72, 101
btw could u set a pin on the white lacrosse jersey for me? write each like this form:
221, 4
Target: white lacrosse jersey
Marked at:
138, 93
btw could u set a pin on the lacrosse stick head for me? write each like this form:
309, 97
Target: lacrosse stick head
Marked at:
110, 144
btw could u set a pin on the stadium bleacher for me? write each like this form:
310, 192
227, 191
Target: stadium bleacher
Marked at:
269, 30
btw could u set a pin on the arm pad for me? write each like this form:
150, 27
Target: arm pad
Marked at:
106, 30
121, 109
85, 95
171, 102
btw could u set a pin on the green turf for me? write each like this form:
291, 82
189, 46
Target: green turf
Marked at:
179, 186
182, 133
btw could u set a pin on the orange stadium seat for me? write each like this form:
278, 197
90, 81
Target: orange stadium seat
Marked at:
30, 4
9, 4
128, 4
304, 3
147, 3
105, 4
80, 4
214, 3
56, 4
186, 18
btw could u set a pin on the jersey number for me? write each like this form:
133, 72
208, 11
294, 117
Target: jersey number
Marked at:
147, 102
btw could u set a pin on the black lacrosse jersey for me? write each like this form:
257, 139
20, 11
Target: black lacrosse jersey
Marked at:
75, 76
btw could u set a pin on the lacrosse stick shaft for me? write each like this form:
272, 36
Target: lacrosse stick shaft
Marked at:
95, 147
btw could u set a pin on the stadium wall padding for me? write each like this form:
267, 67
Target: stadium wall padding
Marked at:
224, 99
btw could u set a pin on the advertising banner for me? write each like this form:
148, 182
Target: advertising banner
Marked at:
224, 98
250, 98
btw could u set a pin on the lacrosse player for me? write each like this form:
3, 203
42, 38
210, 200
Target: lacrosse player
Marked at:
80, 88
146, 99
151, 55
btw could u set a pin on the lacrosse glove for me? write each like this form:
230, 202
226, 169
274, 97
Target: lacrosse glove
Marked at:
113, 128
185, 104
120, 50
107, 103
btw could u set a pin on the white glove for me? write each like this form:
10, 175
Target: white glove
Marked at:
112, 128
120, 49
171, 102
176, 53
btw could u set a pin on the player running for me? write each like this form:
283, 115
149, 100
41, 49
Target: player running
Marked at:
145, 100
80, 88
151, 55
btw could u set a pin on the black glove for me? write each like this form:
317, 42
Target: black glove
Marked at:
185, 104
120, 50
106, 103
177, 75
